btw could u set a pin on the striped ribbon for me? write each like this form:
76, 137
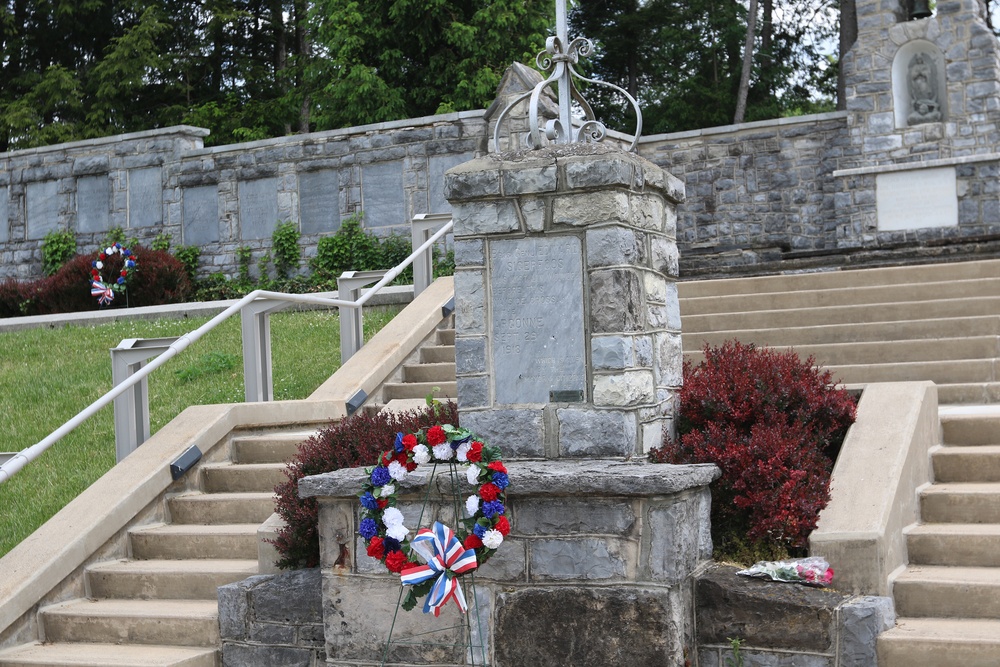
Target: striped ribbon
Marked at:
103, 292
446, 558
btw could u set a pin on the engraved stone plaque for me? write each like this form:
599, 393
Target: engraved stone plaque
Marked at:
201, 215
4, 215
319, 201
41, 208
536, 287
916, 199
145, 197
439, 164
258, 208
93, 204
382, 194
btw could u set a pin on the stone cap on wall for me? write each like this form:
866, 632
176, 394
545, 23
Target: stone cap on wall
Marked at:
188, 131
558, 168
535, 478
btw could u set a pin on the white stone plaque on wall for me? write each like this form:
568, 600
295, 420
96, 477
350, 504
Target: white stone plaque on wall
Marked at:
916, 199
93, 204
382, 196
258, 208
41, 203
145, 197
4, 215
536, 292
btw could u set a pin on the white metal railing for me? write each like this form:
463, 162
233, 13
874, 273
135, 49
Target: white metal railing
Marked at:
254, 309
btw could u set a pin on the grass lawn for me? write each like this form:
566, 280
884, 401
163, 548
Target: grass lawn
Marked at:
48, 375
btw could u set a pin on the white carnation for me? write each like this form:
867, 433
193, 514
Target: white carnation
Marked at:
397, 471
387, 490
99, 265
463, 451
473, 475
443, 452
492, 539
399, 532
472, 504
421, 454
392, 517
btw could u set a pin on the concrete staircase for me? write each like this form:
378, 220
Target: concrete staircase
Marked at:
948, 599
933, 322
430, 371
159, 607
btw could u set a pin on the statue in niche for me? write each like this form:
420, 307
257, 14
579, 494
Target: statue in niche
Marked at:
922, 80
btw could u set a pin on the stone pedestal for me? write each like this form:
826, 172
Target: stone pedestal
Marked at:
567, 322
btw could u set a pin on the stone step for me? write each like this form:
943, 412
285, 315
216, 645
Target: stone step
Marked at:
271, 448
971, 430
404, 405
107, 655
841, 296
837, 278
166, 622
833, 315
983, 325
446, 337
208, 508
948, 592
166, 579
960, 503
427, 372
956, 544
220, 541
432, 354
894, 351
940, 642
978, 463
969, 393
248, 477
394, 390
957, 371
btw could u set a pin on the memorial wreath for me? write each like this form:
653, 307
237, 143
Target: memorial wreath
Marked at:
105, 292
447, 555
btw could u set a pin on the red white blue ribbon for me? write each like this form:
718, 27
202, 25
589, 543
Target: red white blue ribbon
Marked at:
104, 293
446, 558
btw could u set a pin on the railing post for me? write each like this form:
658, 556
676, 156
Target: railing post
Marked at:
132, 407
421, 228
352, 331
255, 323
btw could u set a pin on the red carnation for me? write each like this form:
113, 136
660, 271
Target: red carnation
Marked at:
475, 452
502, 526
395, 561
387, 457
382, 503
411, 466
409, 442
102, 257
497, 466
124, 273
472, 542
435, 436
489, 492
376, 549
401, 458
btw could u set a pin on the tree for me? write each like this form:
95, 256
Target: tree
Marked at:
744, 88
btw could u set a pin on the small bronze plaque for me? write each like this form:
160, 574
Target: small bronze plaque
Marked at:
566, 396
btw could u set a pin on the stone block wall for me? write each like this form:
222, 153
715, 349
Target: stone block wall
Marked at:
567, 320
273, 619
596, 570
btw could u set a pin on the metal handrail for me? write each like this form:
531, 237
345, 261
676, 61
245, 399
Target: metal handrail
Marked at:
25, 456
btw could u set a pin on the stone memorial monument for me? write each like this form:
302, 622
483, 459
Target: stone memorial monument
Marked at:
568, 359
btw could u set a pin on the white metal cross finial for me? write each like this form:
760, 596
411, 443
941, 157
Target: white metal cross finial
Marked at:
558, 59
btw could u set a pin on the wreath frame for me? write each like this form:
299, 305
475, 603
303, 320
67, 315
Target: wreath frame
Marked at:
482, 530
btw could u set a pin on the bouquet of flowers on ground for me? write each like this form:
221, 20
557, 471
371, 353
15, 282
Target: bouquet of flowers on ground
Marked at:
812, 571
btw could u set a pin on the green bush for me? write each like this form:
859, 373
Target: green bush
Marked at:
350, 249
188, 255
285, 248
58, 247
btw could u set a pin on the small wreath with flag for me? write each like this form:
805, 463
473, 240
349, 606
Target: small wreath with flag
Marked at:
447, 555
105, 292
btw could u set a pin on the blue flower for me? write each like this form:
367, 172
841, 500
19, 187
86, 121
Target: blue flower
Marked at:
130, 264
368, 528
500, 480
391, 544
399, 442
455, 444
369, 502
380, 476
479, 531
121, 280
492, 508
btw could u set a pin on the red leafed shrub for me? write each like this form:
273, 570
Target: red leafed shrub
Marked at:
158, 278
355, 441
769, 421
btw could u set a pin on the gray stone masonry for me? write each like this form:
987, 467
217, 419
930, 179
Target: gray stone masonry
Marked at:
781, 625
567, 319
274, 620
602, 546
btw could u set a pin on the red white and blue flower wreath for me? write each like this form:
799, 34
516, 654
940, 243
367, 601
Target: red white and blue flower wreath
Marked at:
446, 555
105, 292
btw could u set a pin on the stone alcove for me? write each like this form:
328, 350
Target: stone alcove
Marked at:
919, 90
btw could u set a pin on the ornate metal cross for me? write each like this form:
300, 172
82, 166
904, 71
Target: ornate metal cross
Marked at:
558, 59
